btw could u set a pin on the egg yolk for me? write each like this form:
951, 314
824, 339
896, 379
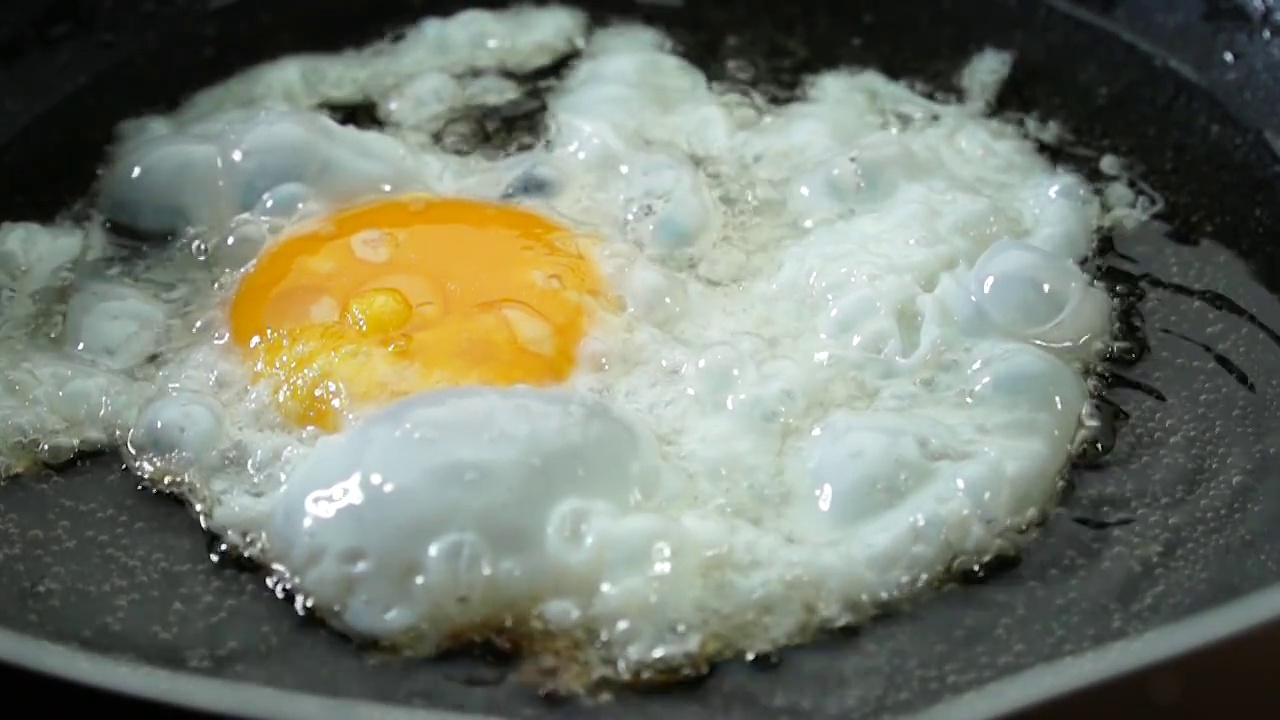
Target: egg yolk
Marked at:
397, 296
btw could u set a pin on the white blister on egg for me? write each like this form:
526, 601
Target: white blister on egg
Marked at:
517, 39
581, 175
537, 180
667, 207
866, 323
628, 67
175, 433
423, 103
787, 145
856, 467
827, 191
607, 87
625, 37
1064, 212
235, 249
649, 564
286, 202
1029, 385
34, 257
654, 294
81, 407
115, 326
431, 513
1031, 294
207, 175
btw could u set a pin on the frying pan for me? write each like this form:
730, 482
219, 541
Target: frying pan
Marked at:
1169, 540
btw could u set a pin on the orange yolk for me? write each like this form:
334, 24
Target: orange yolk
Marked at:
397, 296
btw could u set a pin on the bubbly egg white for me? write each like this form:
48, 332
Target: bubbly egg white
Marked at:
853, 350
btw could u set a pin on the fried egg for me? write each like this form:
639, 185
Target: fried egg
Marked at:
692, 376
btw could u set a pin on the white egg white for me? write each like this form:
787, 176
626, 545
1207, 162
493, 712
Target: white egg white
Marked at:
854, 347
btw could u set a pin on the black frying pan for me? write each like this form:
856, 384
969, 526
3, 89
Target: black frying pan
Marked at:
1171, 539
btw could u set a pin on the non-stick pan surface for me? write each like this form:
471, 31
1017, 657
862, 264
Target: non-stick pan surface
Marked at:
1181, 518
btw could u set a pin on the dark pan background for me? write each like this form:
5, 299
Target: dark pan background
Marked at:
1184, 515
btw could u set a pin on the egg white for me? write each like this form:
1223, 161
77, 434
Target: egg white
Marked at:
853, 351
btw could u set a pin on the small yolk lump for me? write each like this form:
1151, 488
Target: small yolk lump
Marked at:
397, 296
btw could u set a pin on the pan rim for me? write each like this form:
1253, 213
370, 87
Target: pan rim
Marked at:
1000, 698
1057, 678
